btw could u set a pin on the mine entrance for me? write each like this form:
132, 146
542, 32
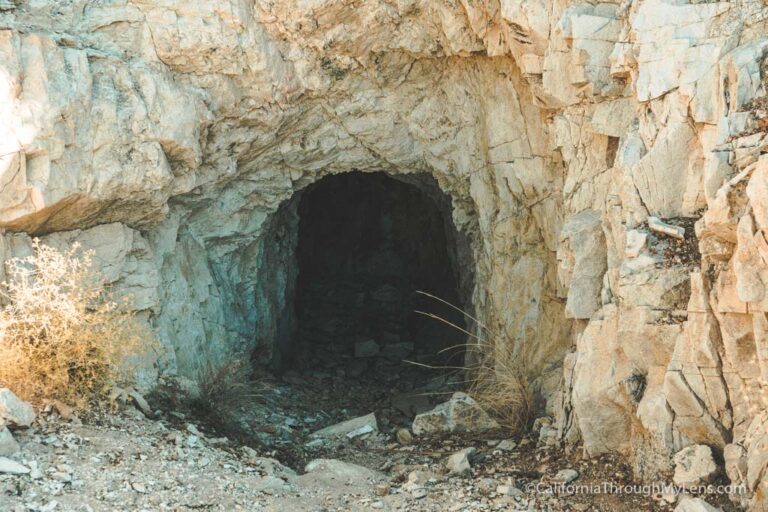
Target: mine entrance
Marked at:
367, 244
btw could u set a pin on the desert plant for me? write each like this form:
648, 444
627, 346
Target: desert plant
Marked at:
229, 386
493, 375
61, 335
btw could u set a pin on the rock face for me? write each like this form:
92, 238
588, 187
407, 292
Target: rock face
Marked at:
173, 139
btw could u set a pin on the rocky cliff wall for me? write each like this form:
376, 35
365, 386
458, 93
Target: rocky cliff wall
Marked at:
166, 135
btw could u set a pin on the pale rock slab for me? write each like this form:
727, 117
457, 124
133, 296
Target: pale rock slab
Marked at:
356, 426
11, 467
14, 411
694, 466
460, 414
656, 224
8, 445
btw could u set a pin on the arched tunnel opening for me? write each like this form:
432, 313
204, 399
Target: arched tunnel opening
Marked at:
368, 245
353, 339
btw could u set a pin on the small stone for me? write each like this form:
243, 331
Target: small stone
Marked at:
12, 467
8, 445
548, 436
486, 486
139, 487
507, 445
61, 476
367, 348
508, 490
35, 472
404, 436
419, 492
141, 403
566, 476
657, 225
377, 504
315, 444
49, 507
735, 463
460, 462
14, 411
362, 431
381, 489
418, 478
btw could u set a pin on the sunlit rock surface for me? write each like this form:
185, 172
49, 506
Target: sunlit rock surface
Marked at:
170, 137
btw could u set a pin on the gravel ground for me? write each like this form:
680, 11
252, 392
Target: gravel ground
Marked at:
125, 462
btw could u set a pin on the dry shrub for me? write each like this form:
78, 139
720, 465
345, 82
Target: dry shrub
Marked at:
61, 336
498, 384
494, 376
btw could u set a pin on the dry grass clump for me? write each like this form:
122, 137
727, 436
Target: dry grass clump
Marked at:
227, 387
498, 384
61, 337
495, 378
226, 392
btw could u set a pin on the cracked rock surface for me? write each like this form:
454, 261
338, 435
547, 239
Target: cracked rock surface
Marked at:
176, 138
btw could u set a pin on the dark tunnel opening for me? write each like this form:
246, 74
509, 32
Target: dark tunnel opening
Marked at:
367, 244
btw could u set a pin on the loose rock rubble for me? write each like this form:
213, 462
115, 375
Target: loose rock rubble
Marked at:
127, 461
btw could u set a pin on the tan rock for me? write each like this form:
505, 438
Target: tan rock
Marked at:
172, 138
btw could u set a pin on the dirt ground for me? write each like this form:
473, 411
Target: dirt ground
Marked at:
256, 453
